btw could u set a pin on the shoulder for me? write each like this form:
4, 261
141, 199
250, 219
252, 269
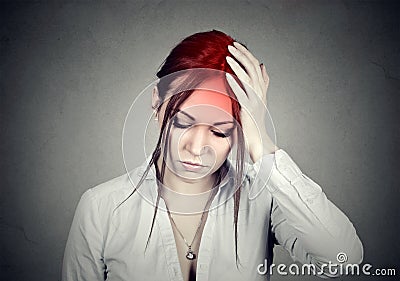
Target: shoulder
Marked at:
112, 188
111, 204
108, 195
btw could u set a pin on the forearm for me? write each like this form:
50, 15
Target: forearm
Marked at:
311, 227
320, 228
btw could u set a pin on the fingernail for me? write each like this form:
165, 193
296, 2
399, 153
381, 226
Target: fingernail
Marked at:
231, 48
229, 76
229, 59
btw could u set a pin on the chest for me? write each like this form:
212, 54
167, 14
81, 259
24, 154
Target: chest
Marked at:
187, 231
127, 257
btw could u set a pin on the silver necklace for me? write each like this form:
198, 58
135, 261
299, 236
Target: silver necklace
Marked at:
190, 255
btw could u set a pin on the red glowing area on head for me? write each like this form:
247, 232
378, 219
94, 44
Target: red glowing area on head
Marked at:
212, 93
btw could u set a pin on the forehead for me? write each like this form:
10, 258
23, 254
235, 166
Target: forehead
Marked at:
211, 98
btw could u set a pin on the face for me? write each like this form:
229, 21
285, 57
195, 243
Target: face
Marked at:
201, 135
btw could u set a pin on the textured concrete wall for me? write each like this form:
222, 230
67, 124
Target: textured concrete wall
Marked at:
70, 70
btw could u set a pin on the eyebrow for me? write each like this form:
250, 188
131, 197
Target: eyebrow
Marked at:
215, 124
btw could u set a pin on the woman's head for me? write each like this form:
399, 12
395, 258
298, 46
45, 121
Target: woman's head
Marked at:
200, 120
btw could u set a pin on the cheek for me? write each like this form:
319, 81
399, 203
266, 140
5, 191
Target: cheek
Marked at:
177, 139
223, 147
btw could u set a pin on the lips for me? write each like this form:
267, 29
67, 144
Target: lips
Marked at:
190, 166
192, 163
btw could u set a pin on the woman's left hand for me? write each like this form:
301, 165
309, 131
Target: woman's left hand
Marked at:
253, 100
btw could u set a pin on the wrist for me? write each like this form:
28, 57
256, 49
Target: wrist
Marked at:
260, 148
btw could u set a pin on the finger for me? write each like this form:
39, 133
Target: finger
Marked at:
239, 71
239, 92
265, 81
242, 75
251, 57
250, 67
244, 96
244, 50
265, 75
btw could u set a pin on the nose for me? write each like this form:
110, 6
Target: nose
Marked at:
197, 140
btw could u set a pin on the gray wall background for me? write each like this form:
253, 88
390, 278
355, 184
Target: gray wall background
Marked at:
70, 69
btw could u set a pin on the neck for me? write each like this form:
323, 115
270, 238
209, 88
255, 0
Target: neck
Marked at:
186, 196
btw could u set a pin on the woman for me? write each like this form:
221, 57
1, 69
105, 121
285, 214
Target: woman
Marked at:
207, 219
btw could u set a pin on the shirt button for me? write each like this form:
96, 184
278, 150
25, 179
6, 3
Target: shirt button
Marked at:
203, 266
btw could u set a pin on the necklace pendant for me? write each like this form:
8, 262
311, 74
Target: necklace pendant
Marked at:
190, 255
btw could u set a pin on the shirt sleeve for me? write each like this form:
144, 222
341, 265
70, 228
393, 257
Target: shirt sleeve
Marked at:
83, 252
309, 226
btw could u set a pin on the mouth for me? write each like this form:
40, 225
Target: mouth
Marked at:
190, 166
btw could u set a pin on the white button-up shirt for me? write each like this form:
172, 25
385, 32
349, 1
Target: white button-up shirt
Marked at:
279, 205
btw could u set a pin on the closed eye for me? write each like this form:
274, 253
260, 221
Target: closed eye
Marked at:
222, 134
216, 132
180, 125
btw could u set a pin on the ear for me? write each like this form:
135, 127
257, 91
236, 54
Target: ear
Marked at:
155, 99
